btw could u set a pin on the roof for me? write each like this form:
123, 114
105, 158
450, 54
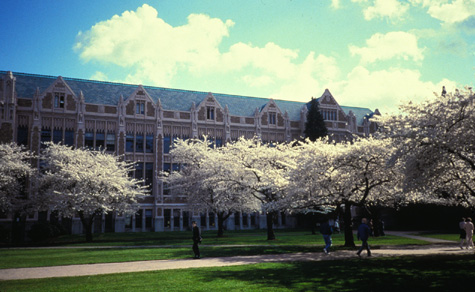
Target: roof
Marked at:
359, 112
108, 93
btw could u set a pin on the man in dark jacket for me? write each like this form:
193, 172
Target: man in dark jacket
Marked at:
196, 239
326, 230
363, 234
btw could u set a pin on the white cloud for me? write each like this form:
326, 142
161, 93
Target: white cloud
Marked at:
154, 52
271, 59
391, 9
382, 47
386, 89
143, 41
100, 76
313, 73
448, 11
335, 4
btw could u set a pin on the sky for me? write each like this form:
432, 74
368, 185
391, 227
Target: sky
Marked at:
368, 53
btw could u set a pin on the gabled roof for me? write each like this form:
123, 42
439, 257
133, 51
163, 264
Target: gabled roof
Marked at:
108, 93
359, 112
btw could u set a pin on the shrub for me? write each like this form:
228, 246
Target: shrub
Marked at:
43, 231
5, 234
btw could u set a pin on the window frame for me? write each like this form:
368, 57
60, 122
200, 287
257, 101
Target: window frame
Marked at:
210, 113
272, 118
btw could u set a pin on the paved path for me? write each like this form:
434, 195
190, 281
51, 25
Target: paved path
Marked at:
408, 234
449, 247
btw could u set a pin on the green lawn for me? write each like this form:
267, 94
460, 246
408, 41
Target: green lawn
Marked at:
244, 237
445, 236
428, 273
255, 243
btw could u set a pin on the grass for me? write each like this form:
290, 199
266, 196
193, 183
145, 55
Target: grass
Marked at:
424, 273
246, 237
445, 236
254, 243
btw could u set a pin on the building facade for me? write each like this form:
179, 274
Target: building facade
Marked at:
141, 122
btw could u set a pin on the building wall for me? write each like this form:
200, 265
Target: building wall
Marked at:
143, 130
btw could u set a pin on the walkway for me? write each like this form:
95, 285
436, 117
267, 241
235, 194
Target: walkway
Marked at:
449, 247
408, 234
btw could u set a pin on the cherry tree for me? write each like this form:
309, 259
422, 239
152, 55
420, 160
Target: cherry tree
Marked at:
87, 183
15, 170
202, 180
436, 140
356, 173
261, 171
371, 177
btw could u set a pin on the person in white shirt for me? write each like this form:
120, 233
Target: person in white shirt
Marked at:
469, 230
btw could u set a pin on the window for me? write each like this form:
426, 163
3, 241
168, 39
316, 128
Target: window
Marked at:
110, 142
140, 107
129, 143
128, 221
59, 100
138, 218
166, 188
237, 219
210, 113
244, 219
45, 136
100, 138
167, 214
166, 144
22, 135
186, 218
89, 140
139, 170
148, 218
329, 115
57, 136
176, 218
149, 175
139, 143
219, 142
167, 167
272, 119
69, 138
149, 144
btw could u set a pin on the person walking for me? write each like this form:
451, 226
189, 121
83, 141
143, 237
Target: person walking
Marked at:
326, 230
468, 227
463, 234
196, 240
363, 234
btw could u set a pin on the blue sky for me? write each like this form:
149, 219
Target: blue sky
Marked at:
368, 53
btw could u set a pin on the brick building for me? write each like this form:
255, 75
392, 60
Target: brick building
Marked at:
140, 122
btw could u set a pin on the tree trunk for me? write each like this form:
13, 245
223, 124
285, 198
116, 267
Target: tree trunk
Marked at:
349, 240
87, 222
270, 226
222, 216
313, 221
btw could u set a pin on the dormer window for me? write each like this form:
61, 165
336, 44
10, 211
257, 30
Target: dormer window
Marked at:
140, 107
272, 119
329, 115
59, 100
210, 113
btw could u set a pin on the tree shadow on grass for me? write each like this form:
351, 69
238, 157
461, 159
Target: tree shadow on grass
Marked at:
441, 273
